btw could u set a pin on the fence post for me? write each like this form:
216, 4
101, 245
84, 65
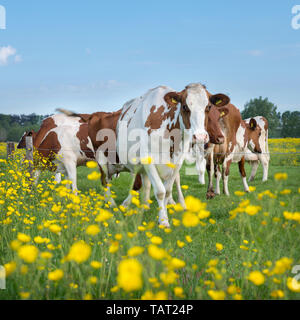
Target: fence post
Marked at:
29, 154
10, 148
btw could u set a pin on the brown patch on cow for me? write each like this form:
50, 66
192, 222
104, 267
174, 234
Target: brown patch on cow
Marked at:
82, 135
242, 167
47, 125
137, 183
47, 151
22, 142
252, 133
156, 118
104, 120
227, 169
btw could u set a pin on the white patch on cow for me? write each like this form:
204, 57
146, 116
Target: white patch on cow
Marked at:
70, 154
197, 101
264, 157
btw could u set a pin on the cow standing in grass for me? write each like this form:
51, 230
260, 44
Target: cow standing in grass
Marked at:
238, 136
62, 143
264, 156
163, 117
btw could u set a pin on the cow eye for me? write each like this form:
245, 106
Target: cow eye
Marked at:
185, 108
208, 108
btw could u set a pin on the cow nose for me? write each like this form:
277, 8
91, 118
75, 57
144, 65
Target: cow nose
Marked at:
201, 137
220, 140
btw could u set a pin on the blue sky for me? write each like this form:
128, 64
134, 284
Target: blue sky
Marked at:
95, 55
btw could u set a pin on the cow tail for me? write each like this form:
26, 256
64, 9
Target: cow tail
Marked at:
71, 114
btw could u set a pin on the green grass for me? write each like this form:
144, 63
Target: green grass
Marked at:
268, 239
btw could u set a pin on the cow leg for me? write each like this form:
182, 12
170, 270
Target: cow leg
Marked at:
147, 188
254, 165
210, 171
70, 166
243, 174
179, 192
218, 178
225, 175
36, 176
200, 165
58, 177
265, 164
160, 193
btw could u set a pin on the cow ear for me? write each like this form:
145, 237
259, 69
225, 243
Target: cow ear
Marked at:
173, 98
253, 124
219, 100
223, 111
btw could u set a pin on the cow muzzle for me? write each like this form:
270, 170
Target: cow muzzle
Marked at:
201, 138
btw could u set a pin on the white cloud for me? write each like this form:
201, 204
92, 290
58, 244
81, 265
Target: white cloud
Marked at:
6, 53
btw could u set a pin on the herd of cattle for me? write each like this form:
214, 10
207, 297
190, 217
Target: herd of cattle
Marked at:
217, 136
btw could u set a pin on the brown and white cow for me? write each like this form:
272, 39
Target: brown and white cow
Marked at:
238, 136
101, 130
63, 143
160, 120
264, 156
212, 126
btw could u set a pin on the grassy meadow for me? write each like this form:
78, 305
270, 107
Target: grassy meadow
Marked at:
57, 245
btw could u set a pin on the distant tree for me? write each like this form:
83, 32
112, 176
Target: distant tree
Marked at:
290, 122
263, 107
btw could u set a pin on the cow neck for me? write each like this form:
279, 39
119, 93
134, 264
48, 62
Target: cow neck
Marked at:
47, 125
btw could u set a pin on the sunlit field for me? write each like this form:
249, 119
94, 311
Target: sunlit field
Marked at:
57, 245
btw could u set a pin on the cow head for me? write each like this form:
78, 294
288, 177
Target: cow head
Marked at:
212, 116
22, 142
194, 101
254, 133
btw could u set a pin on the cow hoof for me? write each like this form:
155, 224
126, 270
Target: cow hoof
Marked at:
165, 223
210, 195
251, 179
125, 204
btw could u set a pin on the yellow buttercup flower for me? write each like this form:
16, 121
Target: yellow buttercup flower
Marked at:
256, 277
293, 284
56, 275
216, 295
130, 275
79, 252
92, 230
103, 216
156, 252
92, 164
280, 176
23, 237
28, 253
135, 251
156, 240
219, 246
94, 175
10, 268
96, 264
190, 219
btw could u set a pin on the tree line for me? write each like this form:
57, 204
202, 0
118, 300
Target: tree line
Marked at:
282, 125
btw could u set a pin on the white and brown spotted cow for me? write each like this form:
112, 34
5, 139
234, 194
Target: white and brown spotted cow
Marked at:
159, 120
63, 143
238, 136
264, 156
